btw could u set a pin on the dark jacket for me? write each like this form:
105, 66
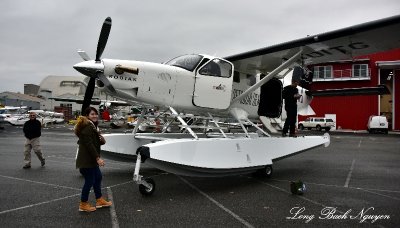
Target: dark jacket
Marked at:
89, 143
288, 94
32, 129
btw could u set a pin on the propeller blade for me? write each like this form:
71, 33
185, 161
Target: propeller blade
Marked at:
88, 94
83, 55
105, 81
105, 32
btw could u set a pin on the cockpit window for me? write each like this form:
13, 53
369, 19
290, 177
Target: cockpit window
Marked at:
217, 67
187, 62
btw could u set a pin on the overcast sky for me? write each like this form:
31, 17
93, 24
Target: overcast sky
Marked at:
40, 38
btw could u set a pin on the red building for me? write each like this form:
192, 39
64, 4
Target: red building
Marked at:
352, 112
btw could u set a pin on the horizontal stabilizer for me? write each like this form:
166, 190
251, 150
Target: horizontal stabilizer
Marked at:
306, 111
379, 90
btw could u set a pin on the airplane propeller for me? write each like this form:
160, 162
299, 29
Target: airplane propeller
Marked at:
105, 32
95, 69
88, 94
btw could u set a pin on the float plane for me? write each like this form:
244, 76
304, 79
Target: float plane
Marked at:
244, 86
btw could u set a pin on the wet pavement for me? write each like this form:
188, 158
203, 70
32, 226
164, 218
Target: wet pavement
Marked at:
355, 182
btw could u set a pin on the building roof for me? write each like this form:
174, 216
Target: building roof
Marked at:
388, 64
20, 96
60, 85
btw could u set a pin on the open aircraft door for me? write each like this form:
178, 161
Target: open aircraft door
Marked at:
213, 85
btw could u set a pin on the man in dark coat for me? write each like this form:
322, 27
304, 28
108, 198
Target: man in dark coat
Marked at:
291, 95
33, 131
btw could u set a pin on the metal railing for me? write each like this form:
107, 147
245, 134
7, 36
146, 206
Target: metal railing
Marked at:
344, 75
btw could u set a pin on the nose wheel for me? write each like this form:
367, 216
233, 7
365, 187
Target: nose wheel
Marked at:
148, 188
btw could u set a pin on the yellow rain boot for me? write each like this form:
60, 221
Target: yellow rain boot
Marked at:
101, 202
86, 207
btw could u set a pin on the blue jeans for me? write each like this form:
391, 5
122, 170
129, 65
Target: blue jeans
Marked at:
93, 178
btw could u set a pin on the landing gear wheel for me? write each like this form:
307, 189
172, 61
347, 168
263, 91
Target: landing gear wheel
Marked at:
301, 127
147, 191
318, 128
265, 172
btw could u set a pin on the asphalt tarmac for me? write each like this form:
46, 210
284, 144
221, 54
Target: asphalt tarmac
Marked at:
355, 182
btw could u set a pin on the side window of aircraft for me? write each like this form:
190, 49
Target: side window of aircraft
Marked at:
218, 68
236, 76
202, 63
187, 62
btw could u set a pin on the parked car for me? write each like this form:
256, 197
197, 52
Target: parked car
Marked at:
318, 123
378, 124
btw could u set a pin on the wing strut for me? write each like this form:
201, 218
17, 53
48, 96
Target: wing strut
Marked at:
284, 65
183, 122
140, 120
216, 124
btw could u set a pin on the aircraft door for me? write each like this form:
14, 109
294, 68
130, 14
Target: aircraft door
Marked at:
213, 85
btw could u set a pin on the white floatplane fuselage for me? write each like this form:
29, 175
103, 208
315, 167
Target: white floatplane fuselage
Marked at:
196, 90
206, 86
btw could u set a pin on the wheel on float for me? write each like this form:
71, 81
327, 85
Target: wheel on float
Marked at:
147, 191
265, 172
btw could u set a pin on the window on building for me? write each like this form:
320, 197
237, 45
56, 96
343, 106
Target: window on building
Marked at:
70, 83
323, 72
66, 105
360, 71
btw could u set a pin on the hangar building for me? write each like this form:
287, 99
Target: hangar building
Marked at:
352, 112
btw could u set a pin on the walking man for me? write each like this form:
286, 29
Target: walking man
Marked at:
32, 131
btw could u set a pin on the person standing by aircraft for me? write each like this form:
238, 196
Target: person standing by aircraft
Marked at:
32, 131
291, 94
88, 159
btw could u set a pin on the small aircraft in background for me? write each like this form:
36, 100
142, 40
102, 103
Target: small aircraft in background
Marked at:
7, 112
45, 117
244, 87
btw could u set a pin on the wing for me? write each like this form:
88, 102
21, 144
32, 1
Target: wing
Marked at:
78, 101
346, 43
118, 103
93, 101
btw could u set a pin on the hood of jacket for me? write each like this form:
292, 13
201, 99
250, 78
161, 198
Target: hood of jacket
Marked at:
81, 123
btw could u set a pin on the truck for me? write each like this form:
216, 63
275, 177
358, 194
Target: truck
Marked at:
318, 123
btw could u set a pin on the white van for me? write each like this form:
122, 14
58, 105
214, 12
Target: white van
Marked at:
378, 124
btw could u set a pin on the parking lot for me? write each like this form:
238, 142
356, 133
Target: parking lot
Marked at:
355, 182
